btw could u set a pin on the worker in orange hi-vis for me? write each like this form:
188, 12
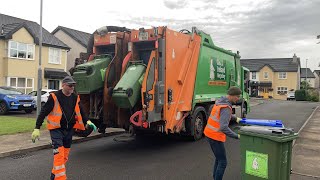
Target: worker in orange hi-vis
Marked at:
64, 114
217, 129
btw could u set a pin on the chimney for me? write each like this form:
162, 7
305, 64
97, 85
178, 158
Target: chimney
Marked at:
295, 58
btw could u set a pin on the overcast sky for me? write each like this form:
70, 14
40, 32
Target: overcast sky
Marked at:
258, 29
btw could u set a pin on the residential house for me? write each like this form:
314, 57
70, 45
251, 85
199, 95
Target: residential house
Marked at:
76, 40
19, 55
273, 77
317, 79
307, 75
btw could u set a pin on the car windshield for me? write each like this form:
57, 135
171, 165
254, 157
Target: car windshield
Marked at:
11, 91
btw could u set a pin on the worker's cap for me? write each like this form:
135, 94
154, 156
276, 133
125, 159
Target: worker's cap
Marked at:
234, 91
68, 80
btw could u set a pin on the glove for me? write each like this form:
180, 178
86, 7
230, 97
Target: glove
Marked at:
94, 127
238, 120
238, 136
35, 135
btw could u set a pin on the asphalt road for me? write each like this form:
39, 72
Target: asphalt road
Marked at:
152, 157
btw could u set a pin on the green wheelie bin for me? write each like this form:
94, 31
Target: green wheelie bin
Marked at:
89, 75
128, 90
266, 152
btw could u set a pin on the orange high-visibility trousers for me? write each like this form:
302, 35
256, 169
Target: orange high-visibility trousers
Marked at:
61, 143
59, 168
66, 155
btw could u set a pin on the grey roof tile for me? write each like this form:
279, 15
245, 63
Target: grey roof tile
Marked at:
79, 36
9, 24
309, 73
276, 64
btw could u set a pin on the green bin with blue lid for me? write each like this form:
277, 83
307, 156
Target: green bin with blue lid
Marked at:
266, 152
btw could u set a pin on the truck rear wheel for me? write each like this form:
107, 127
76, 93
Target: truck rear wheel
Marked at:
197, 123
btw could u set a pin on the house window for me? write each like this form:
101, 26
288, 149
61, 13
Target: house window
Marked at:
254, 75
282, 90
54, 56
24, 85
265, 75
54, 84
282, 75
21, 50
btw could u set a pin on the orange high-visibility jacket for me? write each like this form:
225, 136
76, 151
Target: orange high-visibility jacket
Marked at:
54, 117
212, 129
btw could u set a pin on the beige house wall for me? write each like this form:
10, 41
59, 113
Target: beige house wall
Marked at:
262, 79
15, 67
2, 64
76, 48
290, 82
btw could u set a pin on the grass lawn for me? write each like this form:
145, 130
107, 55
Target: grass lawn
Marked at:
13, 125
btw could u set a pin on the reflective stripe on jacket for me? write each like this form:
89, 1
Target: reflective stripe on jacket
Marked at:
212, 129
54, 117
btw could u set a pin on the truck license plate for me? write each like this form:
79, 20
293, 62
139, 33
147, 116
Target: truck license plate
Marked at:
143, 36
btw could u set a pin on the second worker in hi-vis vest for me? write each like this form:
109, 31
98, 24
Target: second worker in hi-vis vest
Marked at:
64, 114
217, 129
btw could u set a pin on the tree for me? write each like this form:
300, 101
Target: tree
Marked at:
305, 85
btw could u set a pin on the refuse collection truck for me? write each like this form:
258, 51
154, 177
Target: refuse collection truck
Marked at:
173, 79
108, 47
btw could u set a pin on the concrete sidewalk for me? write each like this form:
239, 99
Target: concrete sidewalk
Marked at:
306, 151
21, 143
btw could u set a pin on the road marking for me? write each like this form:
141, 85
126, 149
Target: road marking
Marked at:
305, 123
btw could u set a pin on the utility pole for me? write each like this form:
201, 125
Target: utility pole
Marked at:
39, 67
306, 69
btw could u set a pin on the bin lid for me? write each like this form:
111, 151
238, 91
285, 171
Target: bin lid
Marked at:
273, 133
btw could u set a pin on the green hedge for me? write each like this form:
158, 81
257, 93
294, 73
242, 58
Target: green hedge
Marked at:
313, 95
309, 95
300, 95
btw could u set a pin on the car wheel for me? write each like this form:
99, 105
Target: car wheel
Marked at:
3, 108
28, 111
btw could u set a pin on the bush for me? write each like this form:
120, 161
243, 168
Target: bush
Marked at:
313, 95
300, 95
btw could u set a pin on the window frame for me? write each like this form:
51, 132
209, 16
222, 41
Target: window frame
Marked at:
52, 50
282, 77
21, 87
29, 48
59, 83
283, 90
255, 76
264, 75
